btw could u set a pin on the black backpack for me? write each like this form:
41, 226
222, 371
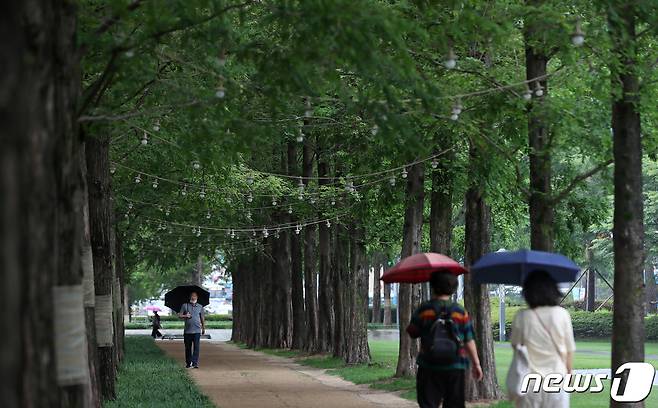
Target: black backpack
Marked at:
441, 346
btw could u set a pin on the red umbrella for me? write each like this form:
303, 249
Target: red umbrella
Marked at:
419, 268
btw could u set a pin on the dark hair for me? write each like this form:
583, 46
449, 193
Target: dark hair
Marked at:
540, 289
443, 283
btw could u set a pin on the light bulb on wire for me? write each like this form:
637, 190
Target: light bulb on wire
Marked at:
220, 93
527, 93
250, 197
145, 139
451, 60
391, 181
113, 169
138, 178
300, 136
265, 233
309, 111
183, 192
289, 209
273, 201
196, 165
435, 163
155, 183
404, 173
456, 110
539, 90
156, 126
202, 193
578, 36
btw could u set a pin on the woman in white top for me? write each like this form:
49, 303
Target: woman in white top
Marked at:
545, 329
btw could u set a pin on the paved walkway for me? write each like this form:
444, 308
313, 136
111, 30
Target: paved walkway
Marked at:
234, 377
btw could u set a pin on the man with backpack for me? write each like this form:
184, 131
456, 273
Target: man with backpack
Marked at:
447, 346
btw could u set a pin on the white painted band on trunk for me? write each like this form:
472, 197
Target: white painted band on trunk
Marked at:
104, 323
88, 276
70, 336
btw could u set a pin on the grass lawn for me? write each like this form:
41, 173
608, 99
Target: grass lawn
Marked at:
148, 378
384, 353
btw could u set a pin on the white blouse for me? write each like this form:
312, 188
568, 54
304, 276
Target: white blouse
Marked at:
527, 329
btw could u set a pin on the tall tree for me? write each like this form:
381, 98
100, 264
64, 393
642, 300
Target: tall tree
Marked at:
441, 198
377, 260
297, 272
356, 350
100, 221
628, 227
409, 294
326, 313
536, 59
310, 260
476, 297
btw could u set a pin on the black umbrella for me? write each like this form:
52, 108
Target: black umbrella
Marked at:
175, 298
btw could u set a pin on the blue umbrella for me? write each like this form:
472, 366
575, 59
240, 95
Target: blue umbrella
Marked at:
511, 268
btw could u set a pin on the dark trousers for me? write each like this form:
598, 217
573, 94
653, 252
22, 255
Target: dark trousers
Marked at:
155, 333
434, 387
192, 341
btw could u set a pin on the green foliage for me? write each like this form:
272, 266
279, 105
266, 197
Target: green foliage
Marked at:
227, 85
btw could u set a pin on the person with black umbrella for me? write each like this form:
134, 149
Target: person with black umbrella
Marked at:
194, 316
155, 325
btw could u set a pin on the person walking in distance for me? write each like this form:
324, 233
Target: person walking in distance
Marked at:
156, 325
194, 316
447, 346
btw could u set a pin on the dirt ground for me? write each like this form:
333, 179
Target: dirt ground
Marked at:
233, 377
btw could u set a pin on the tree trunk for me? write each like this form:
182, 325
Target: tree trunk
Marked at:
281, 333
441, 199
339, 264
197, 271
591, 280
387, 305
651, 290
409, 294
476, 297
118, 298
540, 206
100, 218
310, 263
87, 272
628, 222
41, 203
356, 338
237, 277
298, 313
326, 319
377, 288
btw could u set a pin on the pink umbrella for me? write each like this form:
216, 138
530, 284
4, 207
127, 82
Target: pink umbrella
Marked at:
153, 308
419, 268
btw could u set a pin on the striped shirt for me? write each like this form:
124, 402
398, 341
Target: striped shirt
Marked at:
421, 324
